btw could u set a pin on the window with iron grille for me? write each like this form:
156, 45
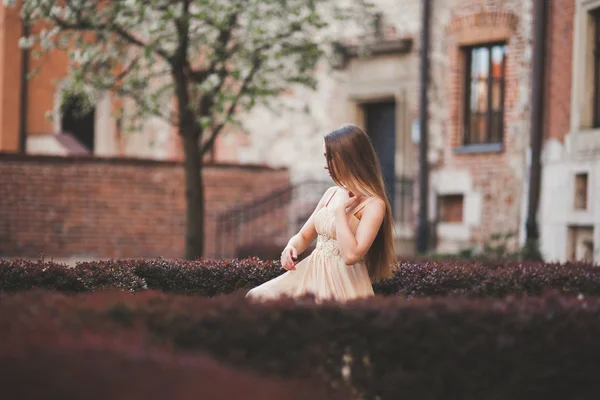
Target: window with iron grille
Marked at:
484, 81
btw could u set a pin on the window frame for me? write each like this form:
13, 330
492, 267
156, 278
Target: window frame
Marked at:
467, 144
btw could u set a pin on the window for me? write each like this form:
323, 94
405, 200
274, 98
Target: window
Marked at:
580, 245
79, 121
485, 68
451, 208
581, 187
595, 14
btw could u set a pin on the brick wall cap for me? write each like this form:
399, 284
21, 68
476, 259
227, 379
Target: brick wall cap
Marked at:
7, 156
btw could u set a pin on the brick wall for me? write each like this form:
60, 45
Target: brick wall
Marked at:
496, 177
559, 59
112, 208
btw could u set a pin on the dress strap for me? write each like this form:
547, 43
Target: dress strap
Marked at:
334, 192
363, 204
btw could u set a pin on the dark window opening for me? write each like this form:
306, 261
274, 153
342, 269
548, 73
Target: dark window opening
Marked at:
78, 121
581, 185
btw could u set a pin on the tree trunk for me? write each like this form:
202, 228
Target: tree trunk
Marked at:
194, 194
190, 132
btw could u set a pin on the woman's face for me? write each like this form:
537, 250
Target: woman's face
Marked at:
325, 158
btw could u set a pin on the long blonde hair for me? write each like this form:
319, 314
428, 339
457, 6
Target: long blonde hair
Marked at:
352, 162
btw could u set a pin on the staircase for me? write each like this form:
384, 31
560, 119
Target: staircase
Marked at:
266, 221
264, 225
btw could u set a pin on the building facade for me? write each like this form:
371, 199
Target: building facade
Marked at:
480, 110
30, 116
479, 120
378, 92
479, 93
570, 189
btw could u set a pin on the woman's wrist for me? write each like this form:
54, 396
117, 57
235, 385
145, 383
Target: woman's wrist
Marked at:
292, 244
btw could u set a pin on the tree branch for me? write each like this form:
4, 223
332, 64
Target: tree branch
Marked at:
294, 27
182, 25
245, 84
87, 25
220, 51
123, 74
225, 36
140, 103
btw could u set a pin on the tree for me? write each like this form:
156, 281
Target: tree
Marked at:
210, 59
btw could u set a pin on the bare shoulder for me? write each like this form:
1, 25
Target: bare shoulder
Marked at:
331, 190
375, 206
327, 195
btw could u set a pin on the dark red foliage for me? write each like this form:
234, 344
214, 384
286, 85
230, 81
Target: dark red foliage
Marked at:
445, 348
97, 373
209, 278
490, 279
50, 350
20, 274
205, 278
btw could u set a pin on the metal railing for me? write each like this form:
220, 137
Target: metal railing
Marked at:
272, 219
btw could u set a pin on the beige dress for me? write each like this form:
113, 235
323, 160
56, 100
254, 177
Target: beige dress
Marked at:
324, 273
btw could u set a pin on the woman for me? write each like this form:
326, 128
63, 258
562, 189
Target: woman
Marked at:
352, 224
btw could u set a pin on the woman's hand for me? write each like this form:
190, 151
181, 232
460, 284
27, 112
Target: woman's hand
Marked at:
347, 200
289, 255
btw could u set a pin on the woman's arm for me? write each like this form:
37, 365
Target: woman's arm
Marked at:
307, 234
354, 247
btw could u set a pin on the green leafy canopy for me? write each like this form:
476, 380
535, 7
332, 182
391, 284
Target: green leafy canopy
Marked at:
215, 58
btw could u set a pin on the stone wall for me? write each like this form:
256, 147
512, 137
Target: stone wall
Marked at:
112, 208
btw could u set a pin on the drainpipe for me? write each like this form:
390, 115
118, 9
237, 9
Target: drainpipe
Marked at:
422, 227
24, 90
537, 122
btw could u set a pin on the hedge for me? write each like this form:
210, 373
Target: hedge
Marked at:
211, 278
23, 274
80, 364
387, 348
